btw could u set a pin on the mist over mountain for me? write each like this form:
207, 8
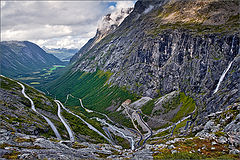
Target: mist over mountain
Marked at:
105, 26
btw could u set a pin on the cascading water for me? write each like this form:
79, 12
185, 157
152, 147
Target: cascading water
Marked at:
222, 77
225, 71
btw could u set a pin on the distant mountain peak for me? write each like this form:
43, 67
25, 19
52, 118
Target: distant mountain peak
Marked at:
106, 25
21, 57
111, 21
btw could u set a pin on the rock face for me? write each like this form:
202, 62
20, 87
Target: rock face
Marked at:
22, 146
20, 136
153, 55
22, 57
171, 64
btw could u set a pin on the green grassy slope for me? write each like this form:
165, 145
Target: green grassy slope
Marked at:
48, 107
91, 88
17, 110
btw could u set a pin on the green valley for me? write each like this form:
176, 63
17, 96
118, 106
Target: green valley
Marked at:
158, 80
41, 77
92, 88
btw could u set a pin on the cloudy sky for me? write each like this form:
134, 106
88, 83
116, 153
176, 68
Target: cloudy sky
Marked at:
54, 24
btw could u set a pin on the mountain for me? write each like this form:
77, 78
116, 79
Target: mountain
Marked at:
163, 84
160, 48
63, 54
25, 126
22, 57
106, 26
34, 126
172, 61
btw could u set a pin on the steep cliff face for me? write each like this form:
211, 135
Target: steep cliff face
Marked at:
177, 62
153, 55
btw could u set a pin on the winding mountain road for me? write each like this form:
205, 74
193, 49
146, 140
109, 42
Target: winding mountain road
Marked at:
139, 119
172, 126
71, 136
104, 122
149, 129
34, 109
108, 133
117, 130
127, 111
141, 137
88, 110
89, 125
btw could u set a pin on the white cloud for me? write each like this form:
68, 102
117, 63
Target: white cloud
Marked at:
56, 23
124, 4
42, 32
121, 4
63, 42
118, 14
3, 3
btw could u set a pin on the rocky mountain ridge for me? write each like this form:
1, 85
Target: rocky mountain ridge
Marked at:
22, 138
159, 89
22, 57
152, 55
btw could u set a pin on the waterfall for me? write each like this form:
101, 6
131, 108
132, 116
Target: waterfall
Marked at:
225, 71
